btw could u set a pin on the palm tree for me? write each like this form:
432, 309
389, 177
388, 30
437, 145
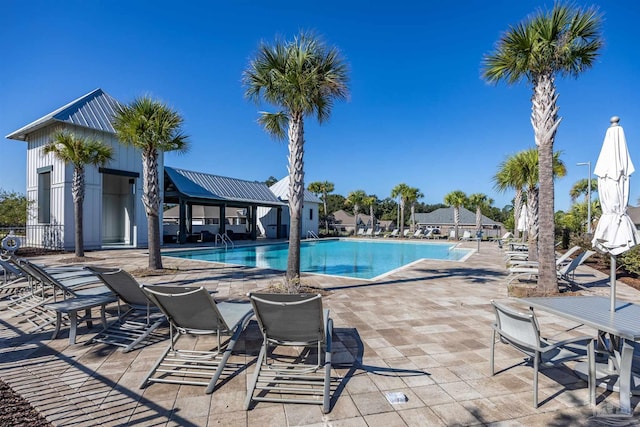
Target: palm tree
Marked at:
371, 201
479, 201
413, 194
151, 127
582, 187
303, 78
562, 42
456, 199
323, 188
79, 152
404, 192
526, 162
355, 200
509, 176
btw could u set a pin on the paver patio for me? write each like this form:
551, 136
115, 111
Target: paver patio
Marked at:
423, 331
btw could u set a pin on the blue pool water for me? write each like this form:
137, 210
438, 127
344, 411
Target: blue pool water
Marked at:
351, 258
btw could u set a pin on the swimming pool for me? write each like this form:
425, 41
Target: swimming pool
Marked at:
362, 259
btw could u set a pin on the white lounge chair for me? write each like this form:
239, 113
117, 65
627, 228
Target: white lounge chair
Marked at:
394, 233
565, 272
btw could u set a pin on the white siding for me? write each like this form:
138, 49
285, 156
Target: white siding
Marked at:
125, 158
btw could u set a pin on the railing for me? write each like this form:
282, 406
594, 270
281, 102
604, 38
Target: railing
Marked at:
224, 238
312, 235
45, 236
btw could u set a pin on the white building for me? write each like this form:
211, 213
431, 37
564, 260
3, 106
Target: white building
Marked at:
268, 217
113, 209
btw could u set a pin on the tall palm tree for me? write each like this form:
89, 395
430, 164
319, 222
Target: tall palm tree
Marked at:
371, 201
562, 42
355, 200
413, 194
456, 199
303, 78
479, 201
324, 188
407, 195
509, 176
79, 152
152, 127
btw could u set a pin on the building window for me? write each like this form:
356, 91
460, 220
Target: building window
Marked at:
44, 197
310, 214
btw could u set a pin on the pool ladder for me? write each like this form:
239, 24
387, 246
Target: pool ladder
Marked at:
312, 235
224, 238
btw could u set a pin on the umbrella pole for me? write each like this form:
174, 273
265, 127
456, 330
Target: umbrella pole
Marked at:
612, 275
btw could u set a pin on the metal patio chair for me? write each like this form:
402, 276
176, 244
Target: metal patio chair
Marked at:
136, 324
292, 320
522, 332
193, 311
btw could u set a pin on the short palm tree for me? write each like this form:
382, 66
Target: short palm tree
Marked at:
456, 199
355, 200
303, 78
79, 152
324, 188
526, 162
562, 42
479, 201
581, 187
509, 176
152, 127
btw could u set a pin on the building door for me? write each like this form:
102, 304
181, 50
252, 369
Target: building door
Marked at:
118, 201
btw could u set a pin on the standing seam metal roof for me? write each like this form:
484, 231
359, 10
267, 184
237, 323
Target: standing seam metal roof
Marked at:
94, 110
220, 188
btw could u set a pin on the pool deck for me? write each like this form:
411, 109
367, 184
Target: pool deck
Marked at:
423, 331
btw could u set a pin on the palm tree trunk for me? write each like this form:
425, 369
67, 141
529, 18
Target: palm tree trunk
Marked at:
151, 201
373, 218
545, 122
77, 191
517, 201
326, 215
356, 211
413, 217
456, 221
401, 217
532, 220
296, 199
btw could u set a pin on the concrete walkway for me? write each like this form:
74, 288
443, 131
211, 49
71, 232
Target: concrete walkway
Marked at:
423, 331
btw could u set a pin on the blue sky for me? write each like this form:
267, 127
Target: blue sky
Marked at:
418, 110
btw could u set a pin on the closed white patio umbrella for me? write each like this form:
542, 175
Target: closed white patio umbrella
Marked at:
615, 232
523, 220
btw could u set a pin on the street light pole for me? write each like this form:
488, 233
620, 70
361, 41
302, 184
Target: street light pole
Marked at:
588, 195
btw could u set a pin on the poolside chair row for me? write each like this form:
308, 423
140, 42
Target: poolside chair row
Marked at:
284, 321
520, 267
36, 286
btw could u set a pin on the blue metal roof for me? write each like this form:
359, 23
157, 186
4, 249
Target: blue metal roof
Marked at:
94, 110
219, 188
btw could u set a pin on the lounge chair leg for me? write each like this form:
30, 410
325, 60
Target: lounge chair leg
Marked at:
256, 375
491, 356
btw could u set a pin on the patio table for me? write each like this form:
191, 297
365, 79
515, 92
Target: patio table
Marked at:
622, 325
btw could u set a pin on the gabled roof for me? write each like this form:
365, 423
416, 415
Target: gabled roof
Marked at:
444, 216
94, 110
281, 190
203, 186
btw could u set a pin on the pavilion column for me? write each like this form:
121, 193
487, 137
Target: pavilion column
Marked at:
279, 223
182, 226
223, 219
254, 222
